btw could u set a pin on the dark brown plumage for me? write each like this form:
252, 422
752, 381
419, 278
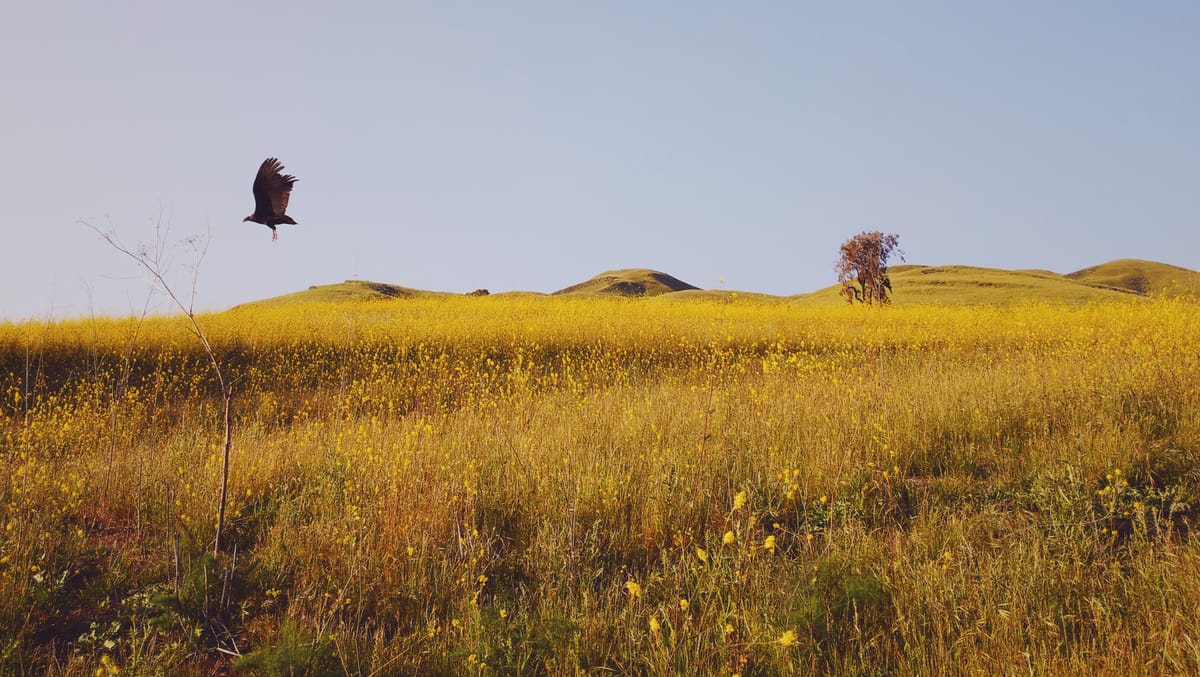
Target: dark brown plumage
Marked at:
271, 192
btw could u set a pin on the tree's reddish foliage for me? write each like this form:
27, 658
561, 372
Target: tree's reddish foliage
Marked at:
862, 268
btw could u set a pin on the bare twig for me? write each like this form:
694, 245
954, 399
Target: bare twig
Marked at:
155, 262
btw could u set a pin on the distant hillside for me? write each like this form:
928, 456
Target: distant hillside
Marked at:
953, 285
629, 282
969, 285
1142, 277
350, 290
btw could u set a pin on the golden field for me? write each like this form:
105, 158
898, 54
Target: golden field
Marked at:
563, 485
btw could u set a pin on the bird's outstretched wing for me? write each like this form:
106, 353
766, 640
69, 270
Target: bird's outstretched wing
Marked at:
272, 189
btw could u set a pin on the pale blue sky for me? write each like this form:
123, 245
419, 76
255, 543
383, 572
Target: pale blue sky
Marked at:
530, 145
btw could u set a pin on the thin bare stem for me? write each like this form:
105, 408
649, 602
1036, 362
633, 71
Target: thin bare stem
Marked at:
153, 261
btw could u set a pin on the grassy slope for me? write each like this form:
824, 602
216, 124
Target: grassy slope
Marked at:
913, 284
350, 290
1143, 277
968, 285
629, 282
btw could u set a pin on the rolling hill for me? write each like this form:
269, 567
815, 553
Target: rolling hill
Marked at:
1142, 277
912, 284
969, 285
629, 282
350, 290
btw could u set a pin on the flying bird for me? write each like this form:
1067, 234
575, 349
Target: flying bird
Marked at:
271, 192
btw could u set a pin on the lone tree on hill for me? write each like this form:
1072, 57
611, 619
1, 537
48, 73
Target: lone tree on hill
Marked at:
862, 268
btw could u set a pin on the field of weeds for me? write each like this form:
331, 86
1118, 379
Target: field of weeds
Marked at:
531, 485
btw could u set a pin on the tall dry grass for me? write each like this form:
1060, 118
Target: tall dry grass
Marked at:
512, 485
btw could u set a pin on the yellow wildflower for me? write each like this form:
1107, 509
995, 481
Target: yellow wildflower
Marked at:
107, 667
739, 501
634, 589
